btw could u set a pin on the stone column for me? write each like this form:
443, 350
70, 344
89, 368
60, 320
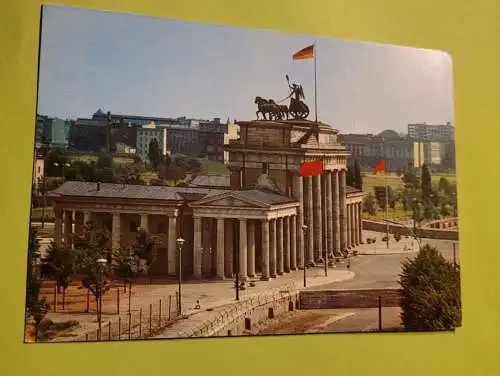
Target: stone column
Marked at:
265, 250
243, 250
145, 222
348, 226
251, 248
68, 227
360, 223
318, 236
329, 212
310, 222
353, 226
293, 242
358, 239
286, 244
197, 248
324, 216
343, 210
206, 246
298, 240
336, 212
172, 245
58, 226
87, 216
279, 242
115, 231
219, 271
228, 248
272, 249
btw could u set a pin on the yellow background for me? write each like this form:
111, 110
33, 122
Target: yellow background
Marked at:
469, 30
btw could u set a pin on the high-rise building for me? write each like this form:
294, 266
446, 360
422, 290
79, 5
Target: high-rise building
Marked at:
148, 133
431, 132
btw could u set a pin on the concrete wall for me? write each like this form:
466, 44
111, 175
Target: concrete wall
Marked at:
256, 310
330, 299
428, 233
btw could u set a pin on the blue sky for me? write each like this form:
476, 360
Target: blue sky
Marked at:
149, 66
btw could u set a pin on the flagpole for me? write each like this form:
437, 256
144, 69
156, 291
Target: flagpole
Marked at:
315, 89
386, 205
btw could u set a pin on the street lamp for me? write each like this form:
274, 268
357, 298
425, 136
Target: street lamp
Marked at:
304, 228
180, 243
101, 263
67, 164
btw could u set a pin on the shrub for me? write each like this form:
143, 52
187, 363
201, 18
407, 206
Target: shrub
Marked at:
430, 292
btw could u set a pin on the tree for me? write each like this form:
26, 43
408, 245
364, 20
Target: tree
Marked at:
61, 262
380, 195
90, 246
36, 306
173, 172
369, 204
349, 178
430, 292
411, 180
55, 161
357, 179
194, 165
154, 154
444, 186
126, 264
143, 248
426, 183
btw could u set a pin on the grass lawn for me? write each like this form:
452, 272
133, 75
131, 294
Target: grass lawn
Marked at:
213, 168
90, 158
148, 176
395, 182
397, 213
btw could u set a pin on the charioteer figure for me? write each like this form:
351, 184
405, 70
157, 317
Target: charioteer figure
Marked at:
298, 109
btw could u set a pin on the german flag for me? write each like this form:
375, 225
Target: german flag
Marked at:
305, 53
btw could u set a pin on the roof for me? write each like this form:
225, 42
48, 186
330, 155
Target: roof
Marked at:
211, 181
264, 196
350, 190
148, 192
244, 198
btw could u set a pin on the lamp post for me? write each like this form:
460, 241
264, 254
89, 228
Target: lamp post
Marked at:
180, 243
67, 164
101, 263
304, 228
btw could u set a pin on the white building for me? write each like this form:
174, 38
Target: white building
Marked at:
145, 135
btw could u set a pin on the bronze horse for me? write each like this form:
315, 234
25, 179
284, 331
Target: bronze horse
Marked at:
269, 106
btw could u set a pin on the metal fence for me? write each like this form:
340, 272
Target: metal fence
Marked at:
137, 324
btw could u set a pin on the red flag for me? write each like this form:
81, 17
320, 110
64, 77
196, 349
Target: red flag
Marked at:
312, 168
380, 167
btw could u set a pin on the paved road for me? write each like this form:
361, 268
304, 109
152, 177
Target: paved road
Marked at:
382, 271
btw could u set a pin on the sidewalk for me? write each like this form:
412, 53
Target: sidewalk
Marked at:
223, 295
209, 294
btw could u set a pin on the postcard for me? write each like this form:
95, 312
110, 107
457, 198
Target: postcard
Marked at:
196, 180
